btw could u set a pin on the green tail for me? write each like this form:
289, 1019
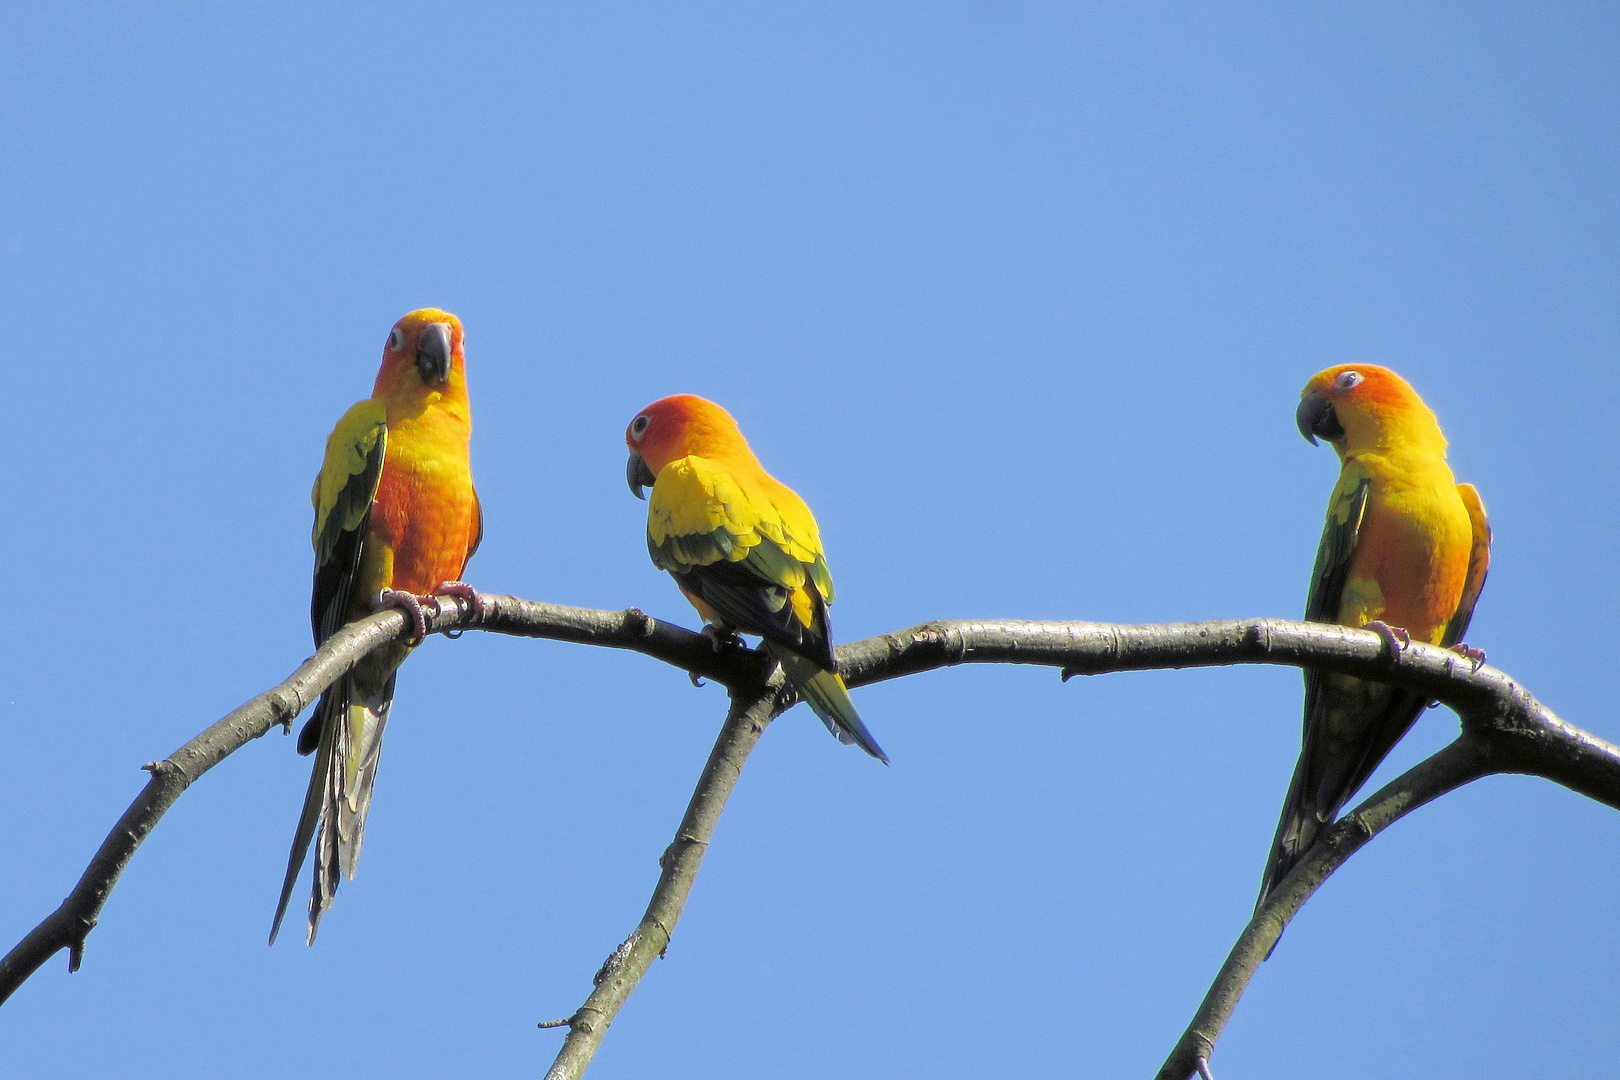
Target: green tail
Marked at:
827, 697
348, 728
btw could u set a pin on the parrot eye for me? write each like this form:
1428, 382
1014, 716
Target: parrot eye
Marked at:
1346, 380
396, 339
638, 426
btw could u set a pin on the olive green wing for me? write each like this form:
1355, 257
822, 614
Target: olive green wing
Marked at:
1302, 813
343, 494
1346, 511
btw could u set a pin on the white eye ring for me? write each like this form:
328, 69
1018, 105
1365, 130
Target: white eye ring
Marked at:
396, 339
638, 426
1346, 380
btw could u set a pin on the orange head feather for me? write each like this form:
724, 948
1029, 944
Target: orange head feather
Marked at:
1363, 407
679, 426
423, 360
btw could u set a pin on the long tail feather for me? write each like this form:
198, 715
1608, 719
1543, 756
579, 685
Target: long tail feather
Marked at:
334, 700
339, 797
1296, 832
360, 775
828, 698
1351, 725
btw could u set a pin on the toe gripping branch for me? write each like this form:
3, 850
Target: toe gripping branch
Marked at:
415, 609
458, 590
1395, 638
411, 605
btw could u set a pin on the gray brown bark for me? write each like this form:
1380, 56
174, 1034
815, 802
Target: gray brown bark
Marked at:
1505, 730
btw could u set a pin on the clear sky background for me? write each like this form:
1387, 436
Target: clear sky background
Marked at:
1020, 298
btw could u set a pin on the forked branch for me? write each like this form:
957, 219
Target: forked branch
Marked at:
1504, 730
69, 925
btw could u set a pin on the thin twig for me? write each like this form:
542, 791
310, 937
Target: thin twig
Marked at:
1461, 762
745, 723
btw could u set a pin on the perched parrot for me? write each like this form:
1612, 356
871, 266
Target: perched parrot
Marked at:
742, 546
396, 518
1404, 553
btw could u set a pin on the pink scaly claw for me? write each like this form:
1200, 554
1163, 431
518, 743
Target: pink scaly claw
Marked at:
1475, 657
411, 605
459, 590
1395, 638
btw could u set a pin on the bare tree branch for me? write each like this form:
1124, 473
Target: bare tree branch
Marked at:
1505, 730
69, 925
1523, 735
744, 725
1462, 762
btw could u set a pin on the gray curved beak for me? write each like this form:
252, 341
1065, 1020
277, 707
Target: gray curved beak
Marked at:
433, 354
1316, 418
637, 475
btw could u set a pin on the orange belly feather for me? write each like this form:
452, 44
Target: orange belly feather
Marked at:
1420, 564
425, 517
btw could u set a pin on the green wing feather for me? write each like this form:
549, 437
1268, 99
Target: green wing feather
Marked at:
732, 547
758, 564
1346, 510
343, 494
1301, 815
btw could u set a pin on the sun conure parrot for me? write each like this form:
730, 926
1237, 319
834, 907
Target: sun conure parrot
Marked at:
396, 518
1404, 553
742, 546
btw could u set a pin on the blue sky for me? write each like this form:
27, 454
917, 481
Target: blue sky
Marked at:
1019, 297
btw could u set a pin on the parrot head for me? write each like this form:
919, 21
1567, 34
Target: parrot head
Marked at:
1362, 407
423, 355
676, 427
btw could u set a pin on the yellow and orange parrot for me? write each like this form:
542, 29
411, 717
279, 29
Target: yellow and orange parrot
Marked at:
742, 546
1404, 553
396, 518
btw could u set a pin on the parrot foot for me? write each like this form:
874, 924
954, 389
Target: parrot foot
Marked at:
1394, 637
411, 605
1475, 657
722, 638
459, 590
